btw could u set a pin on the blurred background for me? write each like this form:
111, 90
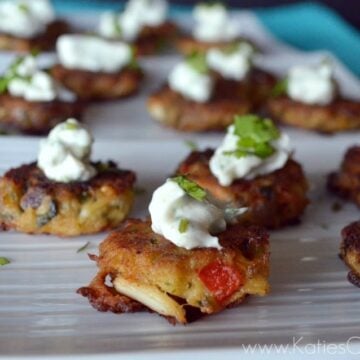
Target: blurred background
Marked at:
348, 9
331, 25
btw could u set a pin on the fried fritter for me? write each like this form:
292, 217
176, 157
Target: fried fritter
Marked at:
188, 45
346, 182
340, 115
88, 85
350, 251
153, 39
273, 200
36, 118
230, 98
42, 42
31, 203
149, 272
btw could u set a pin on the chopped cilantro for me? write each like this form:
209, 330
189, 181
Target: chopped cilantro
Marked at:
71, 125
197, 61
191, 145
24, 8
11, 74
255, 135
183, 225
280, 88
82, 248
117, 26
4, 261
190, 187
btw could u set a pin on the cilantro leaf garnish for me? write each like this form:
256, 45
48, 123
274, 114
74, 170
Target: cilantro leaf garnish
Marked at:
280, 88
4, 261
183, 225
190, 187
82, 248
117, 26
12, 73
191, 145
255, 135
197, 61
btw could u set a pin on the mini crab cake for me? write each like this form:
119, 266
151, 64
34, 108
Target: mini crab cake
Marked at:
31, 102
213, 29
350, 251
26, 25
188, 268
267, 181
346, 182
96, 69
64, 193
205, 91
143, 24
309, 98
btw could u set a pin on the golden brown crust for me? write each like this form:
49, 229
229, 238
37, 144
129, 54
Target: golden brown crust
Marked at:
340, 115
230, 98
153, 39
273, 200
346, 182
88, 85
135, 252
37, 118
188, 45
42, 42
350, 251
31, 203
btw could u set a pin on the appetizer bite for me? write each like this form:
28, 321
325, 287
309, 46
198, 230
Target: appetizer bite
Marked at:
185, 260
29, 24
143, 23
96, 69
350, 251
31, 101
213, 28
205, 91
346, 182
309, 98
64, 193
252, 168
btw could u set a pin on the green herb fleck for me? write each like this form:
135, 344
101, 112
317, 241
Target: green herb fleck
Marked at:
71, 125
82, 248
24, 8
255, 135
190, 187
11, 74
191, 145
4, 261
133, 64
198, 62
280, 88
183, 225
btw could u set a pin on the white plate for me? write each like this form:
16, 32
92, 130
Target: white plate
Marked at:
310, 301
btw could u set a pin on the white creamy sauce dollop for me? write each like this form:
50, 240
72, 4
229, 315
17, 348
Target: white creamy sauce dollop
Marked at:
170, 204
65, 155
25, 18
213, 23
136, 15
227, 168
311, 84
33, 84
91, 53
191, 83
234, 65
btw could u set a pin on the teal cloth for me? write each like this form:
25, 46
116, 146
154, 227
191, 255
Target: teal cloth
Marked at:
307, 26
